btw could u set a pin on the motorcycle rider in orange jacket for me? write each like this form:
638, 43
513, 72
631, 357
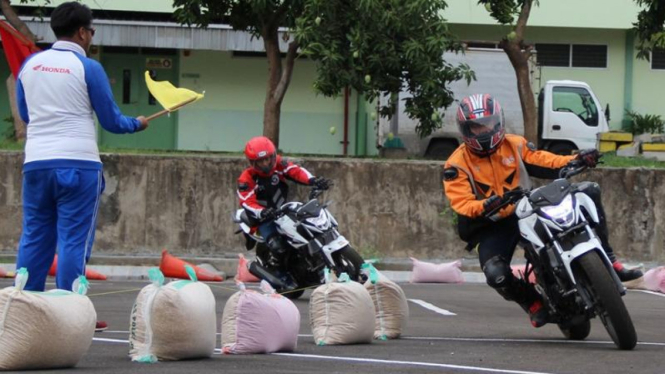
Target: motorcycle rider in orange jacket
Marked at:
482, 169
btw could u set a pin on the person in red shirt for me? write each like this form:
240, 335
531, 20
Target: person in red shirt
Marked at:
262, 188
482, 169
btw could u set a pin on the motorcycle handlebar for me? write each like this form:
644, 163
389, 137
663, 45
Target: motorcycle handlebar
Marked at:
510, 197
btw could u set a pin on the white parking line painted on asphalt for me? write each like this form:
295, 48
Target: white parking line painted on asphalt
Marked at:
651, 293
522, 340
407, 363
431, 307
106, 340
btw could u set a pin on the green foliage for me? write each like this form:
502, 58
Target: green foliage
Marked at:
9, 133
610, 159
375, 47
649, 27
644, 123
383, 47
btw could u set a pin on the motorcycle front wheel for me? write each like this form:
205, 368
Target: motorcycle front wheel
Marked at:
348, 261
594, 277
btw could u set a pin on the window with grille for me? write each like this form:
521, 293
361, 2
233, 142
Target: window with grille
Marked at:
575, 55
553, 54
658, 59
589, 56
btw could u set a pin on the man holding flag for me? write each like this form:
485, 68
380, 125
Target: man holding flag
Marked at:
57, 91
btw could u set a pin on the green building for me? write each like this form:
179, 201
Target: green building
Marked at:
587, 40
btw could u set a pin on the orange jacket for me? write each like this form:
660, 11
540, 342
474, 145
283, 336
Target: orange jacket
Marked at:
470, 179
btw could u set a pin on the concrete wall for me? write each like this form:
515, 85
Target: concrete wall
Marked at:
184, 204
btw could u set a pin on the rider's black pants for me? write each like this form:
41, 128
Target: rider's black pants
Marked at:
497, 243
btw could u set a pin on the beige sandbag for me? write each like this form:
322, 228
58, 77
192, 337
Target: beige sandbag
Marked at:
390, 304
44, 330
341, 313
174, 321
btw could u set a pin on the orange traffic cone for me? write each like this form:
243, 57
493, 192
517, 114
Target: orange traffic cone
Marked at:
5, 274
243, 274
89, 273
173, 267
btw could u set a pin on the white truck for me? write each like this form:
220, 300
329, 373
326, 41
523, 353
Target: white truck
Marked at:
569, 114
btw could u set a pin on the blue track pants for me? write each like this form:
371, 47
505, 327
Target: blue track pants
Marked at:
59, 211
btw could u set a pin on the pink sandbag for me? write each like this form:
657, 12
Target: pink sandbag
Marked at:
254, 322
519, 271
426, 272
243, 274
654, 279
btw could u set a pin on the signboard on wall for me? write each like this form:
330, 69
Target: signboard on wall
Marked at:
158, 63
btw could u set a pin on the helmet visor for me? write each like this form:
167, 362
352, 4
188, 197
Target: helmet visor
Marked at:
480, 126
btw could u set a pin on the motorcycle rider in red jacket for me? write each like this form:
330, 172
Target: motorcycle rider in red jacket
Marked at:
262, 188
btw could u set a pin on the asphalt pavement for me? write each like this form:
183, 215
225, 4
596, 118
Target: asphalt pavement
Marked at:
452, 328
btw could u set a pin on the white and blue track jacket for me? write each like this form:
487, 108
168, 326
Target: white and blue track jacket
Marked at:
57, 91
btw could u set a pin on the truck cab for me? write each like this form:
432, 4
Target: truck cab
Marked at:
569, 117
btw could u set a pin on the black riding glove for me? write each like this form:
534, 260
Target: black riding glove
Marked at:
491, 203
267, 214
321, 183
589, 157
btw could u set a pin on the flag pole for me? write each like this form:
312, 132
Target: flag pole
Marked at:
172, 109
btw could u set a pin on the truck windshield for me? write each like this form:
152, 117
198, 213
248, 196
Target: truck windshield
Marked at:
576, 100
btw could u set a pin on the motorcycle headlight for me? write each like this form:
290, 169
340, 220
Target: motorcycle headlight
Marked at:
563, 214
320, 221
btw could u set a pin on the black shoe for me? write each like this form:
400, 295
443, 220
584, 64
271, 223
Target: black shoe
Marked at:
626, 275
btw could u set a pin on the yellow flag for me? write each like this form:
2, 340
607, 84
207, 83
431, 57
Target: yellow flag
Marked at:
170, 97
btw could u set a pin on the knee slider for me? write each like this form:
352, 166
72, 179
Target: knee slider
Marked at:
498, 272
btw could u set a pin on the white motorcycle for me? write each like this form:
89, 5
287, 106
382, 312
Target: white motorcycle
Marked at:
573, 273
309, 232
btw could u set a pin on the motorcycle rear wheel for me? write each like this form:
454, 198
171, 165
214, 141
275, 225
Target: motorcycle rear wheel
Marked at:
577, 332
598, 282
349, 261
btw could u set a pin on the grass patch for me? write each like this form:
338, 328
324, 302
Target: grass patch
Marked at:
10, 145
610, 159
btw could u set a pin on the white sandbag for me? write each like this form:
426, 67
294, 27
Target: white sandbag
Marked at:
390, 304
259, 322
341, 313
44, 330
173, 322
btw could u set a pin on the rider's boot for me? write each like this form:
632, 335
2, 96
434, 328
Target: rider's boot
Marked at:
538, 314
624, 274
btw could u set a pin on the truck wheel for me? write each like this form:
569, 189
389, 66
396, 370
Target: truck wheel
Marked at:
565, 149
440, 149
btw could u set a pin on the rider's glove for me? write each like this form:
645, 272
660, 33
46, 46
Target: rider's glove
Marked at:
589, 157
320, 183
492, 203
267, 214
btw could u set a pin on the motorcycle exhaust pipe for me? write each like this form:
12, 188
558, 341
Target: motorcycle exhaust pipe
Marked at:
261, 272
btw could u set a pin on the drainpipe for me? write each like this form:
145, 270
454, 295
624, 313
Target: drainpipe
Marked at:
346, 121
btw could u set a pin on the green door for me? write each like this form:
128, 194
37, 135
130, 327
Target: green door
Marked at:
126, 72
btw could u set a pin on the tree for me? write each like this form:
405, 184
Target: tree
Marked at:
519, 53
12, 17
649, 27
372, 46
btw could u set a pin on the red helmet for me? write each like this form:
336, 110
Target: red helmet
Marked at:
260, 148
480, 121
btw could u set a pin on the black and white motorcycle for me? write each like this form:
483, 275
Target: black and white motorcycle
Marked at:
309, 232
573, 273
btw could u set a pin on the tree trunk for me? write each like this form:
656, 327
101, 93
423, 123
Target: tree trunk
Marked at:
15, 21
279, 78
519, 54
19, 126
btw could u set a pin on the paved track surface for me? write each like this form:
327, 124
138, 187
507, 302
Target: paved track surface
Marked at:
485, 335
